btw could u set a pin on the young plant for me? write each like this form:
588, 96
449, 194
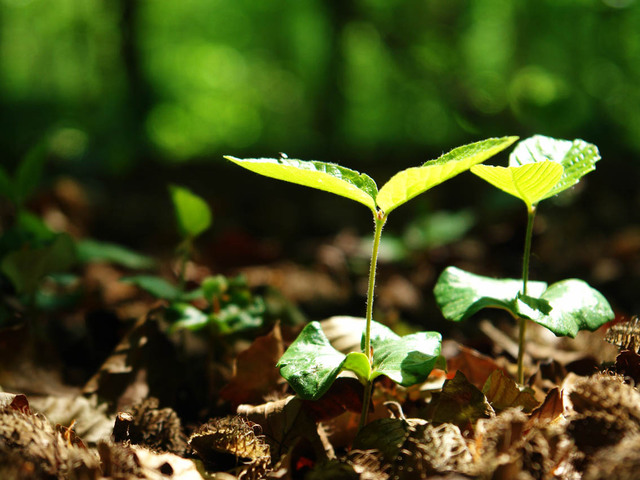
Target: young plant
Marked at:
539, 167
230, 306
311, 364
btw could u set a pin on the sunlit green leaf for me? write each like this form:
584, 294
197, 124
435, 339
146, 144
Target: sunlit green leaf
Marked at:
358, 363
94, 251
156, 286
320, 175
192, 212
577, 157
575, 306
311, 364
411, 182
406, 360
530, 182
28, 266
461, 294
185, 316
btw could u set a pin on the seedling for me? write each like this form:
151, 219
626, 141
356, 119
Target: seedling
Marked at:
230, 306
311, 364
539, 168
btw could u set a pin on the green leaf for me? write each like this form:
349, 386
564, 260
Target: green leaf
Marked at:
156, 286
311, 364
530, 182
94, 251
411, 182
192, 212
28, 266
320, 175
185, 316
575, 306
406, 360
29, 173
461, 294
358, 363
577, 157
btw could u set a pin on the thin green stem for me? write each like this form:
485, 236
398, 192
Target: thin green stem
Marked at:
531, 214
380, 220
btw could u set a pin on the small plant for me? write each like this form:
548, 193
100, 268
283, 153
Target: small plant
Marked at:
311, 364
539, 168
230, 306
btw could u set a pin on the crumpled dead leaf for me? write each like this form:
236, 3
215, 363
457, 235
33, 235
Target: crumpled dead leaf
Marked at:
285, 421
476, 367
255, 374
503, 392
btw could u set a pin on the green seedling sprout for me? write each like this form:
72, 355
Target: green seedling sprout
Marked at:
539, 167
310, 365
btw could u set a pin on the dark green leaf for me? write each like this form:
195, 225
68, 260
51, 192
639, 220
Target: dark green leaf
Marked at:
406, 360
461, 294
156, 286
311, 364
29, 173
192, 212
94, 251
28, 266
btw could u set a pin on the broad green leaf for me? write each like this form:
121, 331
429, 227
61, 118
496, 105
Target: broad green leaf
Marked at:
311, 364
461, 294
29, 173
324, 176
577, 157
406, 360
156, 286
530, 182
575, 306
411, 182
34, 227
185, 316
28, 266
94, 251
192, 212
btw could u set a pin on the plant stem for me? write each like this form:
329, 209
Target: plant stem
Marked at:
380, 220
531, 214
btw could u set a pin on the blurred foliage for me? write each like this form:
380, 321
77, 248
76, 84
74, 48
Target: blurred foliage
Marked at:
109, 83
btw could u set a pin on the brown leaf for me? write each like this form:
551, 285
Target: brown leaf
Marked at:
459, 403
345, 394
628, 365
475, 366
548, 411
284, 422
15, 402
502, 392
256, 375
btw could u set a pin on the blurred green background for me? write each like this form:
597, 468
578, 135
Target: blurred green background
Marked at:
127, 95
112, 82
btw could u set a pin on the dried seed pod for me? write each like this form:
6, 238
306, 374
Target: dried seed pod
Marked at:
626, 335
620, 462
158, 429
227, 441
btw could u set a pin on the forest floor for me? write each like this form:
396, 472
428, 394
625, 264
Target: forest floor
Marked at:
103, 388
